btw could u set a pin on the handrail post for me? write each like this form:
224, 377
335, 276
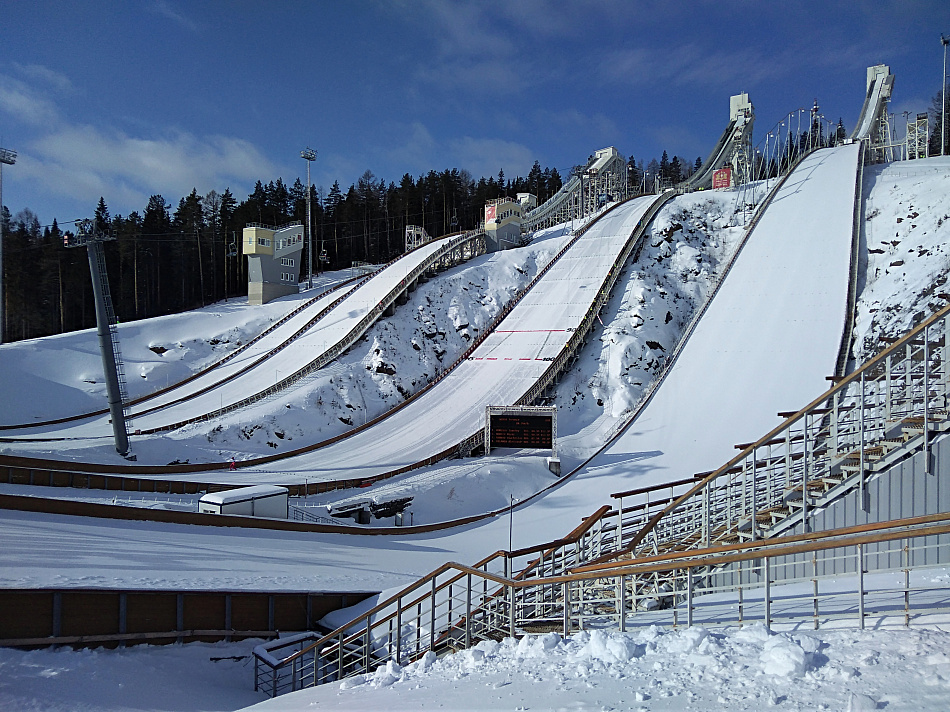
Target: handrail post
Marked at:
689, 597
928, 470
706, 515
468, 611
620, 525
865, 503
805, 527
861, 586
432, 617
768, 591
566, 595
339, 662
623, 603
754, 510
511, 610
399, 631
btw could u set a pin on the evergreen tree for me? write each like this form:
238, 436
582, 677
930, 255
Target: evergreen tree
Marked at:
665, 168
936, 118
103, 220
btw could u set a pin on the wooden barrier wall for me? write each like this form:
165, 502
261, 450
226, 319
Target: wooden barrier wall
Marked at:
94, 617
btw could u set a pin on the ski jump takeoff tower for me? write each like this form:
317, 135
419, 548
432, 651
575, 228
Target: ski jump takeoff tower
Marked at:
273, 260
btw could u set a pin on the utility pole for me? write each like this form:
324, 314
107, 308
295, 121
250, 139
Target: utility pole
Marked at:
7, 157
309, 155
89, 235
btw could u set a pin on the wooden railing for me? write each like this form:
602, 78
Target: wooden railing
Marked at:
456, 606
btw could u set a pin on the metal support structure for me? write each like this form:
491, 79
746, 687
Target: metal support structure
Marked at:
917, 131
90, 236
944, 40
7, 157
309, 155
602, 179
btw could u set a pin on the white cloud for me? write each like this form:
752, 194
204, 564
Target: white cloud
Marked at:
485, 156
417, 151
84, 162
421, 151
597, 125
60, 82
25, 104
165, 9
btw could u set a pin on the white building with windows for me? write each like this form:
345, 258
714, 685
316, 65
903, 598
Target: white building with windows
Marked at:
503, 224
273, 260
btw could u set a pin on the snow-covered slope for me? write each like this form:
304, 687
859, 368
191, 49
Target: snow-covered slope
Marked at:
848, 669
907, 250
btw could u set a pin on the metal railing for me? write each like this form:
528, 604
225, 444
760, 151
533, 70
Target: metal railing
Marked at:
451, 608
882, 413
456, 606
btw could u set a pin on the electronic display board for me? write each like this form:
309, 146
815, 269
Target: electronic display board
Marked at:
522, 430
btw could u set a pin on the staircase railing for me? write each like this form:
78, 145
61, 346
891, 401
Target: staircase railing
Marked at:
456, 606
451, 608
888, 409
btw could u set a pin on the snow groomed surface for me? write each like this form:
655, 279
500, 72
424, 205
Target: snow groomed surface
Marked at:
281, 354
765, 344
498, 372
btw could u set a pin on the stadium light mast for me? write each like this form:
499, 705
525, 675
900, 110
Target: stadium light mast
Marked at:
943, 97
309, 155
7, 157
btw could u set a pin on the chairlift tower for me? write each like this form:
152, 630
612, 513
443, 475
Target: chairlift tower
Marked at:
89, 234
7, 157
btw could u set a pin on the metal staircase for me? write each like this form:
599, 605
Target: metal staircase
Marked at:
661, 546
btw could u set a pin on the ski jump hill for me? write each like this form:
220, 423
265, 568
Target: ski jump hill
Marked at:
764, 343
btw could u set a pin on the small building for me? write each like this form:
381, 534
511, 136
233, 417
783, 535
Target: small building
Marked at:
273, 260
529, 201
256, 501
503, 224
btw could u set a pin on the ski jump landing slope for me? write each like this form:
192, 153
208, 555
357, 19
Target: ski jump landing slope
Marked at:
498, 372
767, 341
278, 355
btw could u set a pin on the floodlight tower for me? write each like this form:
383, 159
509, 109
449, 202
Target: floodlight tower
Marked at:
89, 235
309, 155
7, 157
943, 97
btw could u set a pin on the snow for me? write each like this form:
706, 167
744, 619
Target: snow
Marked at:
158, 352
771, 334
660, 670
907, 238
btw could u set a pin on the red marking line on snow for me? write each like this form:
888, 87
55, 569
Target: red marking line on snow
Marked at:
527, 331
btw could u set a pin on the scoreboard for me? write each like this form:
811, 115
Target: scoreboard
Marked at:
521, 427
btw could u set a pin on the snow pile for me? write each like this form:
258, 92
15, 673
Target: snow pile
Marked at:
687, 246
748, 668
907, 241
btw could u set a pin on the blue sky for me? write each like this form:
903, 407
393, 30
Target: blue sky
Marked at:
127, 99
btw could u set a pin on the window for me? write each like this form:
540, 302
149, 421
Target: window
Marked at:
287, 261
263, 242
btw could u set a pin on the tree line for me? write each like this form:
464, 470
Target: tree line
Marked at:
166, 260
